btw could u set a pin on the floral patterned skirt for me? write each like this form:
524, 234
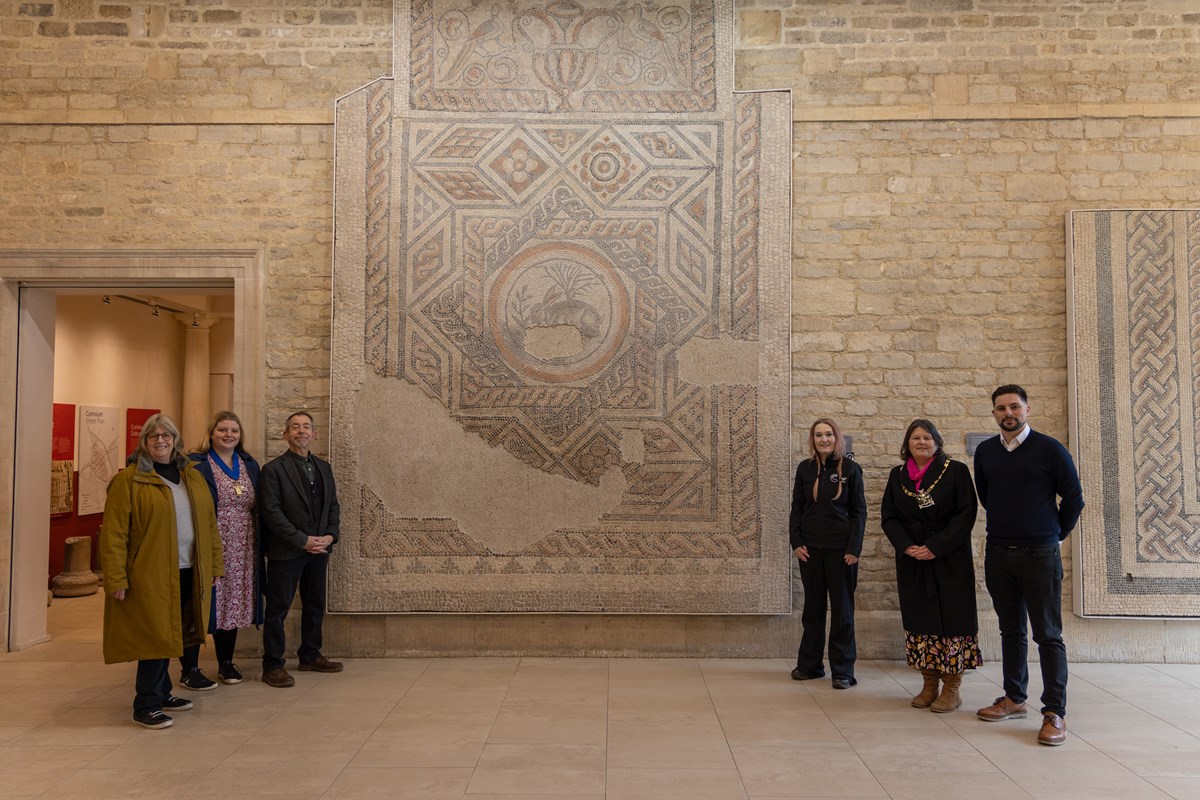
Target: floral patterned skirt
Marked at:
950, 654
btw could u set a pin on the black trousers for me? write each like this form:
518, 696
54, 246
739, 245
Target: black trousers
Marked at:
1027, 582
225, 643
153, 683
829, 583
284, 577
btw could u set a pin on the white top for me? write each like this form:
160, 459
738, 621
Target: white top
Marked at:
1016, 440
183, 521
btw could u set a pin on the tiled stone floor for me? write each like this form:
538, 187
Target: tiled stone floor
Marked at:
559, 729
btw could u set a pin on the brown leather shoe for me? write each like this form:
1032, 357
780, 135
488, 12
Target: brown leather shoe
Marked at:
278, 677
321, 664
1054, 730
1003, 709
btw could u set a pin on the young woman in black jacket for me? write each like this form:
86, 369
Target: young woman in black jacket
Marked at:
829, 515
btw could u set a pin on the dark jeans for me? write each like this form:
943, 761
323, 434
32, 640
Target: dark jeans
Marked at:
283, 578
190, 659
826, 575
1027, 582
153, 683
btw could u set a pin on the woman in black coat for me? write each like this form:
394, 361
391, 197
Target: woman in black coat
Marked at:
829, 515
929, 508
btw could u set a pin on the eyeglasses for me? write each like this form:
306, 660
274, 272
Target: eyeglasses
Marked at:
166, 437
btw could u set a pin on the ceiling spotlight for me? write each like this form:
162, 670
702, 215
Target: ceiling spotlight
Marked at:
195, 319
106, 301
154, 310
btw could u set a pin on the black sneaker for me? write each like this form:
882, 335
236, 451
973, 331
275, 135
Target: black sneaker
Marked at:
228, 673
155, 719
805, 675
173, 703
194, 679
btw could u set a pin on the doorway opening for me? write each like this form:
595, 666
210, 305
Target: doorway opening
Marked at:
34, 285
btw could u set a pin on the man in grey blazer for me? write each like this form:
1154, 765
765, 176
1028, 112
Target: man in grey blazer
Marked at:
300, 516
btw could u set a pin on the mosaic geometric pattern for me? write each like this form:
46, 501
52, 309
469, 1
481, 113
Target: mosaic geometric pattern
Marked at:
530, 253
1136, 419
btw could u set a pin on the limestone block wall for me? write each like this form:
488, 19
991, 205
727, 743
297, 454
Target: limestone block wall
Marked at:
265, 60
937, 146
972, 58
930, 269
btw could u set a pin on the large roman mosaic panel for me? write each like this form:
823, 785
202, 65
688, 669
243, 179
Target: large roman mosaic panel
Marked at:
1135, 294
561, 317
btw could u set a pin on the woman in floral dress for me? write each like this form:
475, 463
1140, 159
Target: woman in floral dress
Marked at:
929, 508
232, 477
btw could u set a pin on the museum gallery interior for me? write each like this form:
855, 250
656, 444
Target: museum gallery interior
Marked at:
563, 287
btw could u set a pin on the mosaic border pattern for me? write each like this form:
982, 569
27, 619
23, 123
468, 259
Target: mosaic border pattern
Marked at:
1135, 309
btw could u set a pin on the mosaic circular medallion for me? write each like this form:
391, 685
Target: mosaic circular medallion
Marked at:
558, 312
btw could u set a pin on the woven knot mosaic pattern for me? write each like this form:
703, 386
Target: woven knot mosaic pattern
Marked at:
561, 317
1135, 294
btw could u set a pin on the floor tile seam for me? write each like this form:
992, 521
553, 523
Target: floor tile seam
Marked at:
1145, 711
1157, 668
864, 763
725, 735
342, 771
492, 725
1117, 759
47, 792
1099, 752
608, 676
1001, 773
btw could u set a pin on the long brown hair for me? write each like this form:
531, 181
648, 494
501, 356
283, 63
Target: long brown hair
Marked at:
839, 452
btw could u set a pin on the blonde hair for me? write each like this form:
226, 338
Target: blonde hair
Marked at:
218, 418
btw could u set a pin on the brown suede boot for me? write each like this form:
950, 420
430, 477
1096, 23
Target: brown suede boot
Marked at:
929, 692
949, 699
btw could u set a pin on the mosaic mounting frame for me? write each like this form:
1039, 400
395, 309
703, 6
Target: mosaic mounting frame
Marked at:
561, 357
1134, 325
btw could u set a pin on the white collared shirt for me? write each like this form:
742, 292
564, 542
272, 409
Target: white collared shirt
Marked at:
1016, 440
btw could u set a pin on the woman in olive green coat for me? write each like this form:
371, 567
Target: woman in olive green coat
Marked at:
160, 552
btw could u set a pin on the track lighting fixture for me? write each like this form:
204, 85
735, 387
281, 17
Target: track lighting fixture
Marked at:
107, 301
154, 310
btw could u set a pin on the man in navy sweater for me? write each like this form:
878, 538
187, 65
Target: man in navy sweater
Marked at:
1028, 485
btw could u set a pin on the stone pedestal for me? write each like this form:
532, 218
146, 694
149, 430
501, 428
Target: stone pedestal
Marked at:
77, 578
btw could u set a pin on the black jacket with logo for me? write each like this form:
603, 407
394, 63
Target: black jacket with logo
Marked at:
825, 522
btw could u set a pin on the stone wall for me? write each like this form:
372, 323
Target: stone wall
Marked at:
937, 146
270, 61
972, 58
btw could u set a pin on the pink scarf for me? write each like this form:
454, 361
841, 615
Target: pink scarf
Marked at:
917, 473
